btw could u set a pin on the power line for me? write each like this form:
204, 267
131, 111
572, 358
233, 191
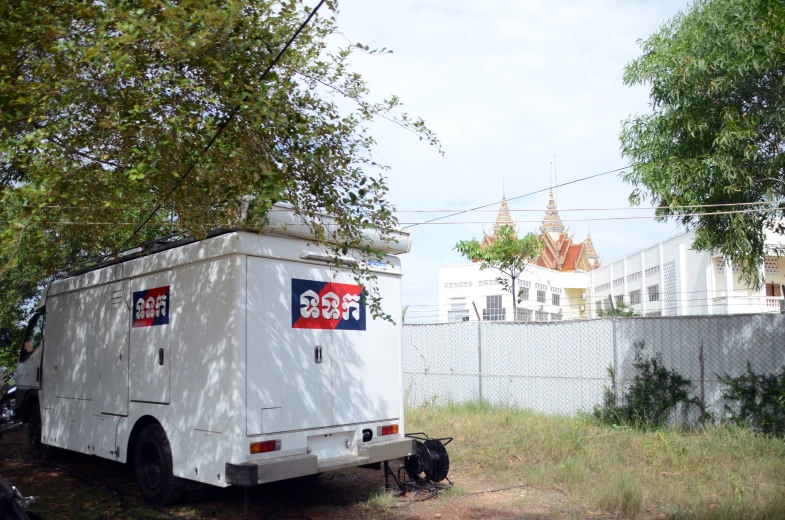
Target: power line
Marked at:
632, 217
222, 127
595, 209
741, 211
516, 197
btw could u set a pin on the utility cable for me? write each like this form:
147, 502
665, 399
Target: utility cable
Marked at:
518, 197
629, 217
688, 206
430, 222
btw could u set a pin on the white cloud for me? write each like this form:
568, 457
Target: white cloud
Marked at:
506, 85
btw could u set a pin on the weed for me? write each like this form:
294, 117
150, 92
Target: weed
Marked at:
710, 473
378, 502
757, 400
653, 394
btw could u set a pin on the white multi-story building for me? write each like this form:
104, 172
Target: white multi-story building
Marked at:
672, 279
568, 282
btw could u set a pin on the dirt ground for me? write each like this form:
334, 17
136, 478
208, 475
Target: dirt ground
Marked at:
75, 486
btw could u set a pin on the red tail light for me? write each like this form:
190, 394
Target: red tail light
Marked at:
391, 429
265, 446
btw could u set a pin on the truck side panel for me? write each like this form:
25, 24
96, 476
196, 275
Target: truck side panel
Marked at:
154, 309
205, 417
85, 370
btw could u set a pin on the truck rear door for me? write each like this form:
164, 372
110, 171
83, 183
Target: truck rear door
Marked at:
288, 380
366, 379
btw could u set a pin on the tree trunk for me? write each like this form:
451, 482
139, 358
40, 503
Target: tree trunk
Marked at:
514, 300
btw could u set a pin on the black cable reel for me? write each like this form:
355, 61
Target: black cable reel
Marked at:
430, 462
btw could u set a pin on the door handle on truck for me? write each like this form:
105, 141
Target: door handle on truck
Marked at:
317, 352
160, 356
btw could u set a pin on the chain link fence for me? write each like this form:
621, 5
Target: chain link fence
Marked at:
562, 367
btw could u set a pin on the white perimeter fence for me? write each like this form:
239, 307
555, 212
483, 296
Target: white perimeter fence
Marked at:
562, 367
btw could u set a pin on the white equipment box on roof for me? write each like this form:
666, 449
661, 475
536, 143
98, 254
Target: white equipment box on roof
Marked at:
236, 360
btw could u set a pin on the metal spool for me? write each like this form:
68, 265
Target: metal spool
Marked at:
430, 463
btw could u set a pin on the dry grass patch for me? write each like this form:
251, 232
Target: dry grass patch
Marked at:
378, 502
709, 474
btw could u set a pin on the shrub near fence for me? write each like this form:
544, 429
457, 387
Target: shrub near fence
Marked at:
562, 367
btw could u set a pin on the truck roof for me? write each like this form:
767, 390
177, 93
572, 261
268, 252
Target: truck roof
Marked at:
283, 221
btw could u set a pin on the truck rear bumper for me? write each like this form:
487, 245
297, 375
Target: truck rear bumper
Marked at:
272, 470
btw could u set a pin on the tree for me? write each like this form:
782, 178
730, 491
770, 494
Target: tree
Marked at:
715, 136
620, 309
105, 105
507, 254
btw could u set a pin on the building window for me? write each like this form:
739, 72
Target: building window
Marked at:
458, 310
34, 337
556, 290
635, 297
599, 306
619, 299
526, 283
651, 271
633, 276
773, 290
523, 315
541, 296
654, 293
618, 281
493, 309
456, 285
524, 294
540, 316
555, 299
603, 287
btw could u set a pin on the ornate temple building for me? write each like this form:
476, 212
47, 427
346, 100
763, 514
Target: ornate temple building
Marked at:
560, 251
566, 282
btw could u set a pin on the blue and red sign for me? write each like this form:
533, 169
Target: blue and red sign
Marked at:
151, 307
327, 305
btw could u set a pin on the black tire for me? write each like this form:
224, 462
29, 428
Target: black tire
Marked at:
37, 449
153, 468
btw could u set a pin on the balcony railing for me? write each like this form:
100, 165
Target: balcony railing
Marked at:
747, 304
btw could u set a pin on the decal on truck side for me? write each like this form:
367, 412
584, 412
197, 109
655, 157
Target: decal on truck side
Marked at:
151, 307
327, 305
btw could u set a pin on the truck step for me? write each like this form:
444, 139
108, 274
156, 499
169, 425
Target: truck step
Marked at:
347, 461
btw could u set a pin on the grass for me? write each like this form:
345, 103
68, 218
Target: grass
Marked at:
712, 474
378, 502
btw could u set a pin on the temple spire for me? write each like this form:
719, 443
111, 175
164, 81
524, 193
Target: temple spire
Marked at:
552, 222
504, 218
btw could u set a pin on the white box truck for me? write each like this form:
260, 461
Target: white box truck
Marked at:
240, 359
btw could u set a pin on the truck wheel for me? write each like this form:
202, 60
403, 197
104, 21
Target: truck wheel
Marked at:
153, 467
38, 449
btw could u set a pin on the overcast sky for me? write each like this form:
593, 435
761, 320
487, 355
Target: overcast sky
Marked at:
506, 85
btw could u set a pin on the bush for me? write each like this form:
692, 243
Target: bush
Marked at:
650, 398
756, 400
